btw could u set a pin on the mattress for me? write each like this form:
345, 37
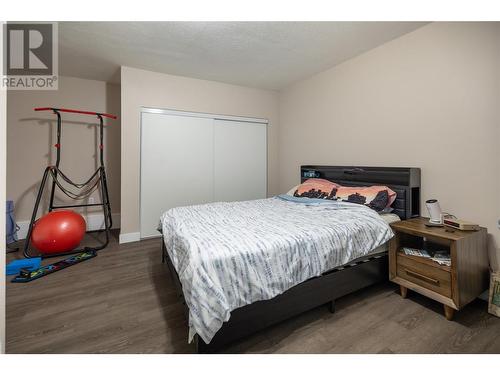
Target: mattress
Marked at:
231, 254
388, 218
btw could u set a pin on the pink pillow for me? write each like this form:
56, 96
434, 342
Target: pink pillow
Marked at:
316, 188
376, 197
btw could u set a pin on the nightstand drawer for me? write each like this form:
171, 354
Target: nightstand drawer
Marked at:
425, 275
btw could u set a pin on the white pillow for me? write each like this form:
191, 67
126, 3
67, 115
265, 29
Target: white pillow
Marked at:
292, 190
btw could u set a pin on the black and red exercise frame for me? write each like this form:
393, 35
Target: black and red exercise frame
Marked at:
53, 170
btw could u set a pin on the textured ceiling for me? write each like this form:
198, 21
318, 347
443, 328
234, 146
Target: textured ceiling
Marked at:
268, 55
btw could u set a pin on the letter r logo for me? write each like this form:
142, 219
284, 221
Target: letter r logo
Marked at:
29, 49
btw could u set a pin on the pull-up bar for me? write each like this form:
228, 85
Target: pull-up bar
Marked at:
76, 111
84, 190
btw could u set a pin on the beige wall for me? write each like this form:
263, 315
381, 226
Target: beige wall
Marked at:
144, 88
429, 99
31, 136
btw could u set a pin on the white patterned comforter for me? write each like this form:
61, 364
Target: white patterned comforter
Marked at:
230, 254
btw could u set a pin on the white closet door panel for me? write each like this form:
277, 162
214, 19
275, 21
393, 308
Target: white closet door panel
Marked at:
176, 165
240, 160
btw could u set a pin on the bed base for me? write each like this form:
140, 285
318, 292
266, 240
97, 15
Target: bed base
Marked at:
305, 296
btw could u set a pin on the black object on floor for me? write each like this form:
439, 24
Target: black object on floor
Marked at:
11, 248
26, 275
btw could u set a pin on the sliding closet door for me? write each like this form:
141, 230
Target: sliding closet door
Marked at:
177, 157
240, 160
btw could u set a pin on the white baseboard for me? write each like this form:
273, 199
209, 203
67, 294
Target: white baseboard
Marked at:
129, 237
94, 222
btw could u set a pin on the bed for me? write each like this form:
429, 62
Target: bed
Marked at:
243, 266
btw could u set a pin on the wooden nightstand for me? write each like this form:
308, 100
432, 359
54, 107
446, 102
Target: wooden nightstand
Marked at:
454, 286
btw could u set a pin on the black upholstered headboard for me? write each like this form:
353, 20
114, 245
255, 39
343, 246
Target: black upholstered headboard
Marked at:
404, 181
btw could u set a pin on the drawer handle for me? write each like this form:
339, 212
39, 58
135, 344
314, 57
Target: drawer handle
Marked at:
422, 277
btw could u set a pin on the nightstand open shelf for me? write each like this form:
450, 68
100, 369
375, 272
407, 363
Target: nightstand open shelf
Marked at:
454, 286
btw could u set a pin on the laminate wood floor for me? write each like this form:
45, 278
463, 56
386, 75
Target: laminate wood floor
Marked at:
124, 301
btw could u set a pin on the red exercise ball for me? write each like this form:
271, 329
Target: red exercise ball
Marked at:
58, 232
